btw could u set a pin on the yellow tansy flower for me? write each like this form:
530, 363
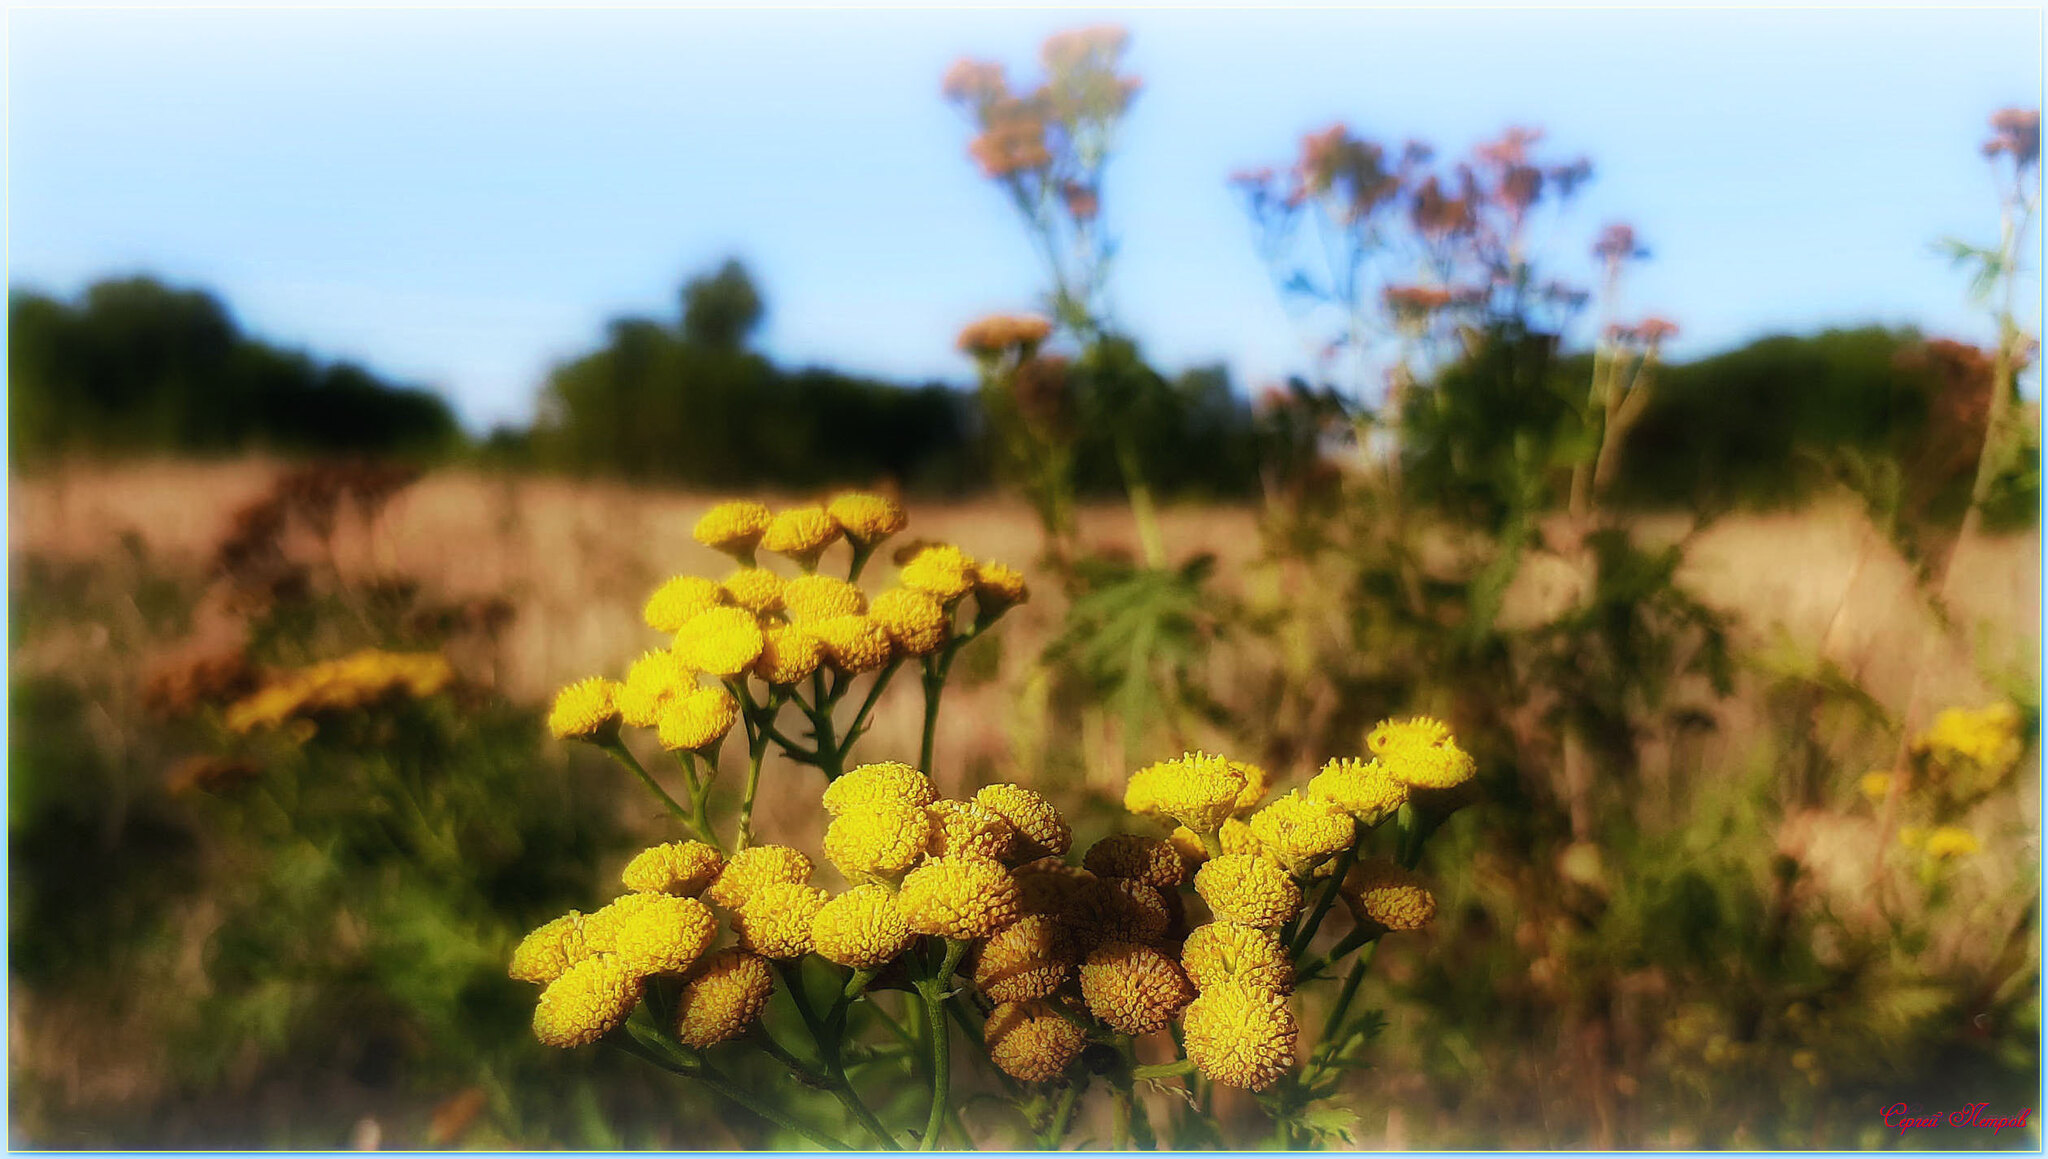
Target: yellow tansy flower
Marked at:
788, 654
866, 518
721, 641
1223, 952
753, 867
683, 868
958, 898
1135, 989
879, 841
864, 786
1363, 789
1249, 890
1240, 1036
801, 533
861, 928
851, 644
1303, 831
725, 994
756, 589
654, 679
1024, 960
547, 953
965, 829
998, 587
941, 571
1041, 831
1030, 1042
655, 933
733, 527
915, 622
1421, 753
1949, 842
775, 921
1257, 783
587, 1002
1196, 789
584, 709
1116, 909
697, 719
1876, 785
1152, 860
821, 597
1380, 891
681, 600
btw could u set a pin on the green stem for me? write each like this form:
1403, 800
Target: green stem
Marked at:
1359, 936
1327, 1047
934, 686
704, 1073
1315, 921
700, 796
860, 719
933, 991
1063, 1114
620, 753
757, 749
826, 1041
831, 757
1160, 1070
862, 552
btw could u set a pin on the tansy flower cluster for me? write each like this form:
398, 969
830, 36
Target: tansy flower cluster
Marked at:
343, 685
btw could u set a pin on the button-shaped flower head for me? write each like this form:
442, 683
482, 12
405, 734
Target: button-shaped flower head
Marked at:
697, 719
653, 680
652, 933
1420, 753
1135, 989
753, 867
1363, 789
547, 953
683, 868
965, 829
1248, 889
1197, 790
725, 994
1240, 1035
801, 533
680, 600
1152, 860
915, 622
1031, 1042
1041, 831
867, 518
775, 921
1026, 959
788, 654
851, 644
878, 841
585, 709
861, 928
756, 589
1302, 831
956, 897
721, 641
881, 782
941, 571
1378, 890
1223, 952
587, 1002
808, 598
733, 527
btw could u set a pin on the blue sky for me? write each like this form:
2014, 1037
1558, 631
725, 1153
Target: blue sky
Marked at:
460, 198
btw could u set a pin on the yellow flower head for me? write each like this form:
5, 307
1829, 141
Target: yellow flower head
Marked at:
756, 589
1380, 891
1876, 785
1988, 737
584, 709
683, 868
588, 1001
915, 622
1041, 831
965, 829
867, 519
1135, 989
877, 842
998, 587
1949, 842
884, 782
1026, 959
653, 933
1196, 789
821, 597
681, 600
753, 867
1223, 952
861, 928
547, 953
1257, 783
775, 921
1303, 831
958, 898
801, 533
722, 642
1361, 788
941, 571
851, 644
1116, 909
1152, 860
1420, 753
1051, 888
1234, 835
1240, 1035
654, 679
788, 654
733, 527
1248, 889
725, 994
697, 719
1030, 1042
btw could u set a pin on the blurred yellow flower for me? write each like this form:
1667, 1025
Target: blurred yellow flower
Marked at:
1876, 785
801, 533
867, 519
1949, 842
584, 709
697, 719
733, 527
915, 622
680, 600
941, 571
1988, 737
